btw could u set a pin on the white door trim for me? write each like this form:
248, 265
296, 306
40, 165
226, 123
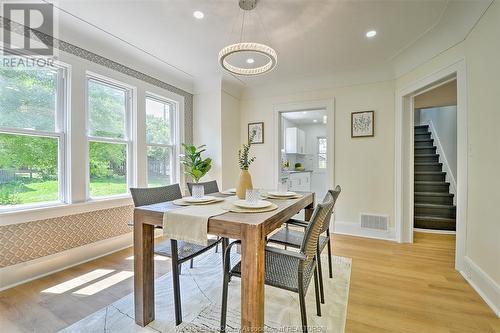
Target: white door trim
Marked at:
404, 179
329, 106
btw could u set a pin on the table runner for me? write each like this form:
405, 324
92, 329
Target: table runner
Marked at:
190, 223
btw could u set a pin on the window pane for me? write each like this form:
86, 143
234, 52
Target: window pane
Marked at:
158, 127
322, 145
106, 110
322, 161
108, 169
28, 98
159, 166
28, 169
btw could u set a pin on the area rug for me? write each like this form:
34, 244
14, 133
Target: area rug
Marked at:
201, 297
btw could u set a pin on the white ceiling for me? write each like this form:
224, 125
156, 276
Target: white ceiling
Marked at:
312, 38
305, 117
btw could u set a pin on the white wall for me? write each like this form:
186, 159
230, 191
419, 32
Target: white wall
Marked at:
364, 167
207, 124
444, 121
230, 124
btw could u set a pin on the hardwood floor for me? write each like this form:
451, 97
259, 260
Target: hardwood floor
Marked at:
394, 288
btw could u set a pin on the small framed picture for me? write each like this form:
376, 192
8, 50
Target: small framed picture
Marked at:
257, 130
362, 124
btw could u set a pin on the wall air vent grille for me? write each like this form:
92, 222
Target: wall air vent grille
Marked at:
375, 222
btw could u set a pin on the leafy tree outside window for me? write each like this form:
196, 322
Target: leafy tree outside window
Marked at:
31, 135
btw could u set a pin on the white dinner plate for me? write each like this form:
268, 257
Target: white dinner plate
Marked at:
257, 204
230, 191
283, 194
206, 198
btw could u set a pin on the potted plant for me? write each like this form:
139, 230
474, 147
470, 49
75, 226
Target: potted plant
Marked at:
245, 181
195, 166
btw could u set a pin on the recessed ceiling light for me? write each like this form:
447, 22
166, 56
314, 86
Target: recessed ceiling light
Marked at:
304, 112
315, 120
371, 34
199, 15
250, 61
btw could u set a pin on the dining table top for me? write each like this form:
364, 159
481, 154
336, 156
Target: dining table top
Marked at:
157, 210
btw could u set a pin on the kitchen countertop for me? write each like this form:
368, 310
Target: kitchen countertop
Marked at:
295, 171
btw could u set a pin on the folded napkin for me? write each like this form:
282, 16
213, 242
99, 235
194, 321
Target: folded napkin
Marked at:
190, 223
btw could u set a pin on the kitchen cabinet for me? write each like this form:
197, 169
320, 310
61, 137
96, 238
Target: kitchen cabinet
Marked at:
295, 141
299, 181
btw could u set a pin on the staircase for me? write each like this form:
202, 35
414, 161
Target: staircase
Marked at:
434, 207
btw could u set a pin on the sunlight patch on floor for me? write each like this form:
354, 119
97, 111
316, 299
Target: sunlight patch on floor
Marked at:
159, 258
78, 281
105, 283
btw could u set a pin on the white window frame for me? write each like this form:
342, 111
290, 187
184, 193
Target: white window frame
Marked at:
319, 153
174, 145
59, 133
128, 135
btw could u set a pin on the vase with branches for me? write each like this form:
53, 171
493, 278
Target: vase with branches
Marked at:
244, 161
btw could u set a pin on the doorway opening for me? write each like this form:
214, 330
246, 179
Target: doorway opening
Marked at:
303, 151
435, 159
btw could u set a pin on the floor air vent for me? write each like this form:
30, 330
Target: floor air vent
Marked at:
375, 222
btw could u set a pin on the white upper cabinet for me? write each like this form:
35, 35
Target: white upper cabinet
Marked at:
295, 141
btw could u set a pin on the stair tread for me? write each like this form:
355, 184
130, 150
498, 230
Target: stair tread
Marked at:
435, 194
435, 218
428, 182
425, 147
429, 172
425, 155
422, 140
427, 163
421, 126
428, 205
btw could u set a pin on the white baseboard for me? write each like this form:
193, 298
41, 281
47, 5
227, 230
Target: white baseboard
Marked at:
354, 229
483, 284
433, 231
14, 275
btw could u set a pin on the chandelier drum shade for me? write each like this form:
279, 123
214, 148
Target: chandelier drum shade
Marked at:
248, 58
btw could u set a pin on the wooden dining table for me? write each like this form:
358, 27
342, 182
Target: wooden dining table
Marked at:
250, 228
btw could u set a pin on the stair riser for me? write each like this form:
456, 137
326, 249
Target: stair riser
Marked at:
441, 188
423, 130
423, 136
429, 143
439, 177
427, 159
444, 225
430, 167
437, 200
429, 150
438, 212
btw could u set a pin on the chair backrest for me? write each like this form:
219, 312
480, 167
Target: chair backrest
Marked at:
152, 195
331, 194
313, 230
210, 187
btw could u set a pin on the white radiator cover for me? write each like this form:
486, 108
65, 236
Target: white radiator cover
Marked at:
374, 222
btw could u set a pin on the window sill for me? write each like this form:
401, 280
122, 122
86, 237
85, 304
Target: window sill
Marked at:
54, 210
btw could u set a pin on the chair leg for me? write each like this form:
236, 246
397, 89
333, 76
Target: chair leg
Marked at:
191, 264
320, 275
316, 292
176, 282
330, 268
217, 246
302, 301
225, 286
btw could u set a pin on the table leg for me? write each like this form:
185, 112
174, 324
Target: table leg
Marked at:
143, 272
252, 278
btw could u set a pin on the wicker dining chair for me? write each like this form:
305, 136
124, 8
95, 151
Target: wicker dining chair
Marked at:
284, 269
294, 238
178, 251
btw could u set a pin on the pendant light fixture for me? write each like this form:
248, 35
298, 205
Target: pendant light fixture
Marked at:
247, 58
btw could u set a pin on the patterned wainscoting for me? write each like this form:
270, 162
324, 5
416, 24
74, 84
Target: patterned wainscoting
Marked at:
27, 241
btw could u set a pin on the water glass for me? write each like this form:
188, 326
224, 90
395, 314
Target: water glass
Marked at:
198, 191
252, 195
283, 187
